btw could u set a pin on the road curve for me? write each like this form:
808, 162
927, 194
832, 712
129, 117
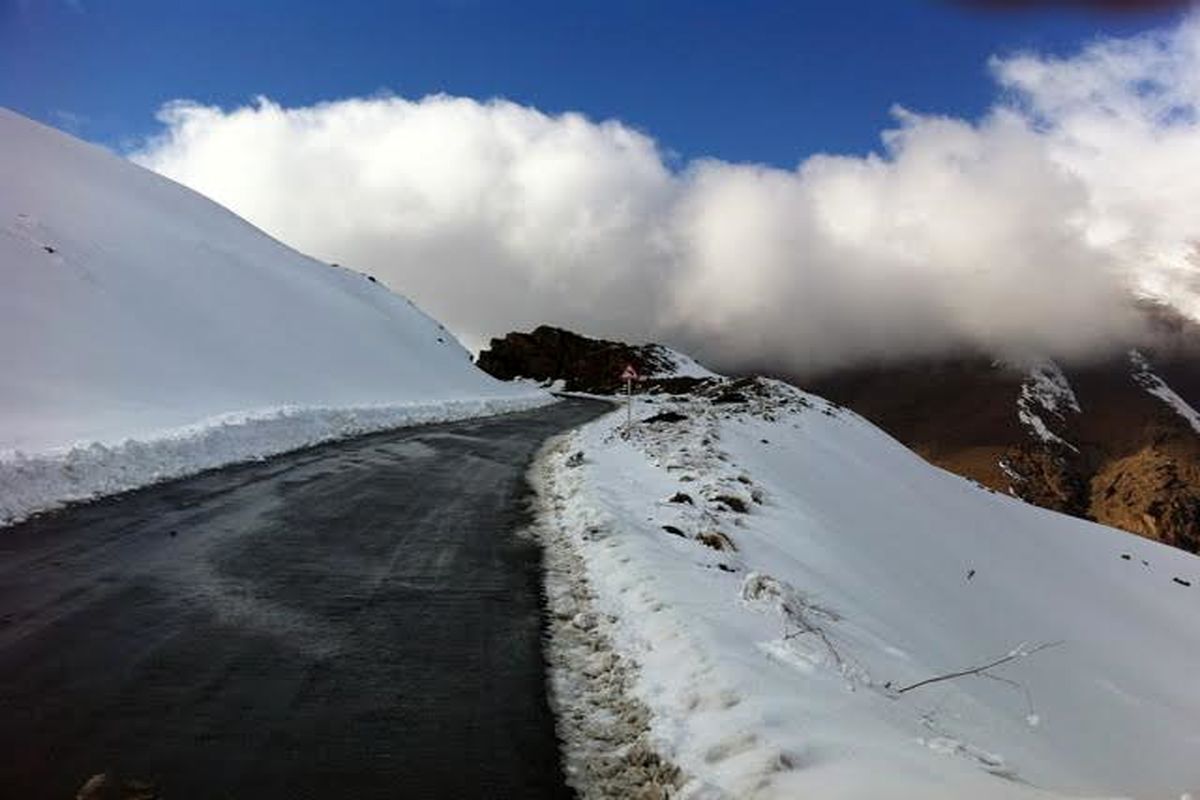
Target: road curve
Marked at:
356, 620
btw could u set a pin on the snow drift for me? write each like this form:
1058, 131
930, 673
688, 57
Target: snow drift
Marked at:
149, 333
783, 577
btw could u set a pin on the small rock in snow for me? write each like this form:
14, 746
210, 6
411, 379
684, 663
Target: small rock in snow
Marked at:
584, 620
733, 502
666, 416
716, 540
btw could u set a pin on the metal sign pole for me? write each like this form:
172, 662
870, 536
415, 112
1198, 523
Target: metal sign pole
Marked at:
629, 375
629, 403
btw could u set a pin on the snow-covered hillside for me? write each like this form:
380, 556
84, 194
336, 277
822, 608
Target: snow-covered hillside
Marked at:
670, 363
146, 332
747, 601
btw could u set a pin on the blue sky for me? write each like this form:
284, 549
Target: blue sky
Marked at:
747, 81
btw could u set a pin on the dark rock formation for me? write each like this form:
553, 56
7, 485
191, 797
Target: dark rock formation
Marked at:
584, 364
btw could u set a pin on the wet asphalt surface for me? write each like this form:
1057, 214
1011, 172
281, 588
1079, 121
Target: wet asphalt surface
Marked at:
358, 620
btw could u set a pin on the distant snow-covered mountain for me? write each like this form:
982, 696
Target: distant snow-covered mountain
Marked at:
1116, 440
147, 332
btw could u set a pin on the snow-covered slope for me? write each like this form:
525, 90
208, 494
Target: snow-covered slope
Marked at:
147, 332
772, 577
670, 363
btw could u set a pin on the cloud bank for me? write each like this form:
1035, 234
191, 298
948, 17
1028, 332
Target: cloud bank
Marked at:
1026, 230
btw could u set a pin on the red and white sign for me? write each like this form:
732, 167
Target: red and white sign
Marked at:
630, 374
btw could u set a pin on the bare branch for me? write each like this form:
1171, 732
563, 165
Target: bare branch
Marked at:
1015, 654
1030, 709
798, 616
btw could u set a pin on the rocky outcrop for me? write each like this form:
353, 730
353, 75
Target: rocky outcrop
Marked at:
582, 363
1048, 477
1154, 492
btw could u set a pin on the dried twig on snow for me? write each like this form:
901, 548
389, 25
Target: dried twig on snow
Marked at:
1017, 653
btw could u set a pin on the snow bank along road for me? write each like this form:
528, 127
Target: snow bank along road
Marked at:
355, 620
764, 583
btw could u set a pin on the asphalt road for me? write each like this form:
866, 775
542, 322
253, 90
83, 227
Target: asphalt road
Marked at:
357, 620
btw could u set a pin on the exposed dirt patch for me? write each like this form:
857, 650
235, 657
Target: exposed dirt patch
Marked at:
733, 503
716, 540
666, 416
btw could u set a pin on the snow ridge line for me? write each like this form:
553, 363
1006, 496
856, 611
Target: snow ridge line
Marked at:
1046, 387
31, 484
603, 729
1144, 375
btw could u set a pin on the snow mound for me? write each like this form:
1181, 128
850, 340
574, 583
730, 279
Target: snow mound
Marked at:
149, 333
867, 625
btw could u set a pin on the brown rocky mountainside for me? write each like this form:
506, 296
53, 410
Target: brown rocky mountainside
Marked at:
1116, 440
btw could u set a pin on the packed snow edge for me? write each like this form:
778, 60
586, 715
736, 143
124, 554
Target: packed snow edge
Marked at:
43, 482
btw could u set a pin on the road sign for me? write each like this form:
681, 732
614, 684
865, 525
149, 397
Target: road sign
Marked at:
630, 374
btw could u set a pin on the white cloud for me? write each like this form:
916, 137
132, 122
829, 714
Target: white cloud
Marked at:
1026, 230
